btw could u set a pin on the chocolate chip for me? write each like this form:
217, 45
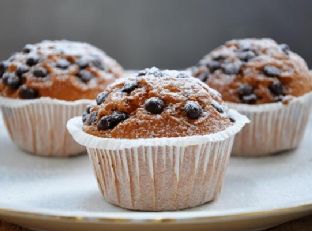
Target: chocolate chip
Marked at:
249, 99
85, 76
101, 97
213, 65
246, 94
218, 107
246, 55
85, 117
26, 49
21, 70
31, 61
111, 121
219, 57
27, 93
271, 71
5, 77
12, 80
83, 63
231, 68
91, 118
40, 72
141, 73
88, 108
276, 88
154, 105
285, 48
3, 68
97, 63
62, 64
193, 110
245, 89
204, 76
129, 87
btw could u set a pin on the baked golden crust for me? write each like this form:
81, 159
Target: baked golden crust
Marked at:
58, 69
255, 71
156, 104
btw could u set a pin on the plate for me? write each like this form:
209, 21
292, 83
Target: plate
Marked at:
61, 194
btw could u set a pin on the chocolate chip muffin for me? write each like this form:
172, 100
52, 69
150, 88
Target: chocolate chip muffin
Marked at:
267, 82
57, 69
158, 141
255, 71
156, 104
46, 84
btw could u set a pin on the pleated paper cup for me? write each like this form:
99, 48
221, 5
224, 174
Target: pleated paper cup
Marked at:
274, 127
158, 174
38, 126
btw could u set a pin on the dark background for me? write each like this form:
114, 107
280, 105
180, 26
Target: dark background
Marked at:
164, 33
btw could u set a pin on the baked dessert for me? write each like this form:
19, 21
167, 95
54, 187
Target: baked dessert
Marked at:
57, 69
259, 72
158, 141
44, 85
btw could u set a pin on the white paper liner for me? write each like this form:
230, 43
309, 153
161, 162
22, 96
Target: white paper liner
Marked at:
39, 126
274, 127
158, 174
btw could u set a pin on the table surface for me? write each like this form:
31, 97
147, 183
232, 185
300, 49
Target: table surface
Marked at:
303, 224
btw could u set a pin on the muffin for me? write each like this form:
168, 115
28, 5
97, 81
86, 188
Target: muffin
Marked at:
44, 85
160, 140
267, 82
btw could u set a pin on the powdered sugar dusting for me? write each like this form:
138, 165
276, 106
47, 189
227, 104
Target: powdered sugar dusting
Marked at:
174, 89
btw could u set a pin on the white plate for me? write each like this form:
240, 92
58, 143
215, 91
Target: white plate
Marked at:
62, 194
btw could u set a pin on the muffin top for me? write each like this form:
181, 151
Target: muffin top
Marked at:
156, 104
255, 71
58, 69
